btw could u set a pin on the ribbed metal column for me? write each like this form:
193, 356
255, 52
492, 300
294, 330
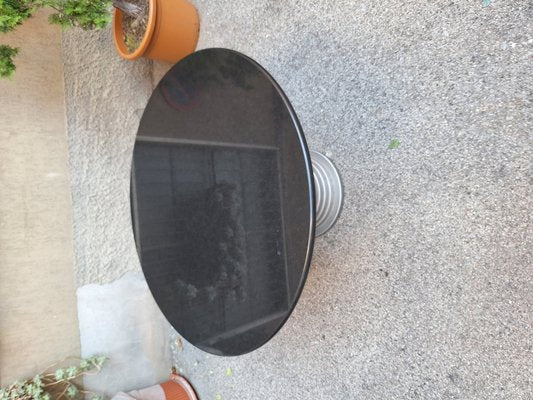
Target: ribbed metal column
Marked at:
328, 192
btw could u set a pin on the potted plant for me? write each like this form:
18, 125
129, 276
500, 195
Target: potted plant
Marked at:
158, 29
59, 384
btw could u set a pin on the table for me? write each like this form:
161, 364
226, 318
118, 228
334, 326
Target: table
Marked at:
223, 201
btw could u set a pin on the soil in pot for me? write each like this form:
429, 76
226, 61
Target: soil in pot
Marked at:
134, 21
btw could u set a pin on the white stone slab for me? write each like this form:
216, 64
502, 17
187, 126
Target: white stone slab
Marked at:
122, 321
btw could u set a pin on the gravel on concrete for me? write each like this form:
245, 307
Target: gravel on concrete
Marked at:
423, 290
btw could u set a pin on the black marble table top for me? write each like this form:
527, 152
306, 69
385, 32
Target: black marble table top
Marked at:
222, 202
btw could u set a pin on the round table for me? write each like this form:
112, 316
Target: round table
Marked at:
223, 201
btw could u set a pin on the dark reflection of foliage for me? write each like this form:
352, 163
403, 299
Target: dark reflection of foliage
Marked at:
214, 67
238, 72
220, 67
216, 228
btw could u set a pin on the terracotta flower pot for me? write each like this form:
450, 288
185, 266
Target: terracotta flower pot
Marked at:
171, 33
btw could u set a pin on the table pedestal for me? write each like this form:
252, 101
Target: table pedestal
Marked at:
328, 192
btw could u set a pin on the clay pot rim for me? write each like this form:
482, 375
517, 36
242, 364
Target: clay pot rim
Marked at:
118, 34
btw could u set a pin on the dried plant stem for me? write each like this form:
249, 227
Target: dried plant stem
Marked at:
130, 9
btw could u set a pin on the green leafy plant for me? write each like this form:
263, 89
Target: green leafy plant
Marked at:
86, 14
394, 144
7, 67
59, 384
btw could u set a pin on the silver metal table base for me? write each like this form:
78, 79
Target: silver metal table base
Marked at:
328, 192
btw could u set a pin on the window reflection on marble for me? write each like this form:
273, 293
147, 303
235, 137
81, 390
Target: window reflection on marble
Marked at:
208, 222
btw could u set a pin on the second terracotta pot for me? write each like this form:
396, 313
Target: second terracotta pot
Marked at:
171, 34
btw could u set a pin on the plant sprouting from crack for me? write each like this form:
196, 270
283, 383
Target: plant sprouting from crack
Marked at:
61, 383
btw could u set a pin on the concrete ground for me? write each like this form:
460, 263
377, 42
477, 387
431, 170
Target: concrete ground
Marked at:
423, 288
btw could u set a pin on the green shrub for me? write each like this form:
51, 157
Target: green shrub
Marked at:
86, 14
13, 13
7, 67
